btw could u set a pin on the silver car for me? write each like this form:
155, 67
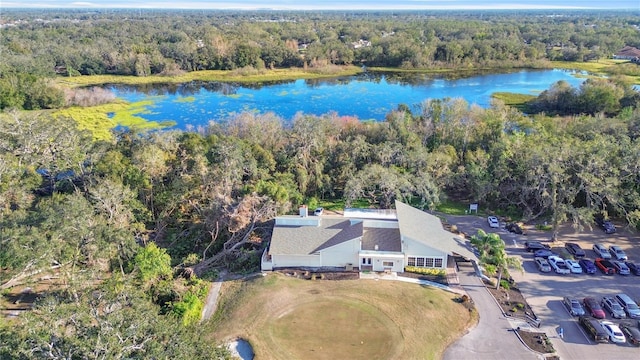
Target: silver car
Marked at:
617, 252
621, 268
542, 264
601, 251
574, 307
613, 307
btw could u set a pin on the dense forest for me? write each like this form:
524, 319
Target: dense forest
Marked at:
117, 236
36, 46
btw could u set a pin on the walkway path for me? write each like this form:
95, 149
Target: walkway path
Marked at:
493, 338
211, 303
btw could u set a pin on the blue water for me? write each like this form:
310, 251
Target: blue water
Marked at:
366, 96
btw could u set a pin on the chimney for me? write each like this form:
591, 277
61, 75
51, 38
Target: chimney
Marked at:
304, 211
375, 247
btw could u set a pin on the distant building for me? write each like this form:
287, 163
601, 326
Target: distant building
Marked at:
628, 53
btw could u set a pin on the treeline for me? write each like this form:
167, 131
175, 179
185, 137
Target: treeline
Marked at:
594, 96
141, 44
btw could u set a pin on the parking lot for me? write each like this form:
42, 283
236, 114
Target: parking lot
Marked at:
544, 291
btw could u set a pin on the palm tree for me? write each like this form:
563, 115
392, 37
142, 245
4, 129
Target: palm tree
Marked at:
493, 257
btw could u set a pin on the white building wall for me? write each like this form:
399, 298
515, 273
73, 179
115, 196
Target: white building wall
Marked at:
380, 224
413, 248
342, 254
282, 261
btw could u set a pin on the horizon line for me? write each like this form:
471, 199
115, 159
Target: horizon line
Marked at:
309, 8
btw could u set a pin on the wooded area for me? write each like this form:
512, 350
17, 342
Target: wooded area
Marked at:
129, 227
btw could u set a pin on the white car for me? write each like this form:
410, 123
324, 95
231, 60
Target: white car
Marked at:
617, 252
558, 265
493, 222
601, 251
614, 332
319, 211
573, 266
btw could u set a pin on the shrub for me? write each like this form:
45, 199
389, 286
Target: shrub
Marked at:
505, 284
544, 227
425, 271
189, 309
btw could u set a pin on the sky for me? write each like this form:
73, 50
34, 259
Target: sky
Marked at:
329, 4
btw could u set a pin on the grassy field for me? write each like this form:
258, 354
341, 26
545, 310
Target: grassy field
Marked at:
287, 318
240, 75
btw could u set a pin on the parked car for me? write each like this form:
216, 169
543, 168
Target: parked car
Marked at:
631, 333
514, 228
587, 266
613, 307
605, 266
606, 225
532, 246
633, 267
593, 328
574, 307
542, 264
575, 250
601, 251
592, 307
617, 252
613, 332
558, 265
544, 253
493, 222
621, 268
573, 266
319, 211
630, 307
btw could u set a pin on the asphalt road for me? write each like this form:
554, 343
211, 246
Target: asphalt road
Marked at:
493, 337
544, 292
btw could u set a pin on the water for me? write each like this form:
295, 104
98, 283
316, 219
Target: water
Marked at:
368, 96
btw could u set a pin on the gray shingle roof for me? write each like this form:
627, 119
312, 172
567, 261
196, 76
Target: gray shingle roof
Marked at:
305, 240
386, 239
427, 229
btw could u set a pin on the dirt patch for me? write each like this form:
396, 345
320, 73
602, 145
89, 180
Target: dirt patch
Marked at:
537, 341
512, 302
320, 275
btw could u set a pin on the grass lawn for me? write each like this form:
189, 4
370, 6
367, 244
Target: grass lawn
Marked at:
287, 318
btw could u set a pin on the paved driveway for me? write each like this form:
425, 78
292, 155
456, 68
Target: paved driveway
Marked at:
493, 337
545, 291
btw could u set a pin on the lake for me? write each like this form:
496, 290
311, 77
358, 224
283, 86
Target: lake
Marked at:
367, 96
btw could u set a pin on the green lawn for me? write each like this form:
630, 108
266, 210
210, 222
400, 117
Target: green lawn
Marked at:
288, 318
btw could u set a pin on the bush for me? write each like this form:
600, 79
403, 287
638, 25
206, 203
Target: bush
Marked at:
505, 284
425, 271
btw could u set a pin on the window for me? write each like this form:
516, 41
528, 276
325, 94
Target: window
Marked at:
424, 262
428, 262
411, 261
387, 263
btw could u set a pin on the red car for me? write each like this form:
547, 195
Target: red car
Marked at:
592, 306
605, 266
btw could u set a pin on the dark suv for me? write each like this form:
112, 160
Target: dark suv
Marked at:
593, 328
535, 245
575, 250
606, 225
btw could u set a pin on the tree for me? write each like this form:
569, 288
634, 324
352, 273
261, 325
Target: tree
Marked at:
493, 255
152, 262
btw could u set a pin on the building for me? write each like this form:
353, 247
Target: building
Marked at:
628, 53
364, 239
